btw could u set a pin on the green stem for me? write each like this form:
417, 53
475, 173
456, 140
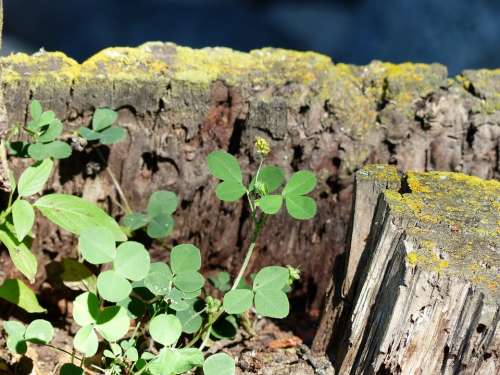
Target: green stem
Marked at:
117, 185
205, 340
64, 351
249, 253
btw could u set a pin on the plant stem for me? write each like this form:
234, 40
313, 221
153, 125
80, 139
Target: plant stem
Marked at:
207, 336
64, 351
117, 185
249, 253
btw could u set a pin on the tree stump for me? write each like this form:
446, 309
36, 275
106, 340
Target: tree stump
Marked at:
178, 104
425, 294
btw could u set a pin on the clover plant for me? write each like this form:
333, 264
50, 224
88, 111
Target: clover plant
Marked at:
139, 315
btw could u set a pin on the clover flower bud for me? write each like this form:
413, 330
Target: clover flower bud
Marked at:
262, 146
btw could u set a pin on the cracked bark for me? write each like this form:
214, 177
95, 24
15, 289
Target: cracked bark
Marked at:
179, 104
420, 293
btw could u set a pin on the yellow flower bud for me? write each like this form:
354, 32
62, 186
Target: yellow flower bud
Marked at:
262, 146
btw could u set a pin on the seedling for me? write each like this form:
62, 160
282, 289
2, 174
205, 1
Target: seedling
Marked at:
153, 318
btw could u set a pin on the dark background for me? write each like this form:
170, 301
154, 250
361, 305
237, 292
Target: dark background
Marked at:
458, 33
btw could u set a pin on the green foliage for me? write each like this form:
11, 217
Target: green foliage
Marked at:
19, 252
158, 220
23, 217
44, 129
165, 329
168, 301
34, 178
219, 364
75, 214
39, 331
102, 129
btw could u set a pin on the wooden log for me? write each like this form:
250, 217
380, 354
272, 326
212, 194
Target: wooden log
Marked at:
427, 299
178, 104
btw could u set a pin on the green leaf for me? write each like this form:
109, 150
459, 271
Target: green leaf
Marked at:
97, 245
86, 309
131, 354
16, 345
165, 329
18, 148
238, 301
89, 134
74, 214
272, 303
23, 217
221, 281
224, 166
301, 182
185, 257
272, 277
189, 281
158, 279
70, 369
270, 204
20, 254
187, 359
14, 328
132, 261
135, 308
270, 176
190, 319
34, 178
160, 226
225, 328
35, 110
112, 286
51, 131
113, 323
58, 150
46, 118
162, 203
135, 220
86, 341
39, 331
16, 292
219, 364
77, 276
15, 336
300, 207
103, 118
38, 151
112, 135
230, 191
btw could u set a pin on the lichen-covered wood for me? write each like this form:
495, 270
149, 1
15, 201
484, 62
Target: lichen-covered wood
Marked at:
427, 299
178, 104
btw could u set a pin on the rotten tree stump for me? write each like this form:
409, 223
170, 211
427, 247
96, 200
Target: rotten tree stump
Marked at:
422, 288
178, 104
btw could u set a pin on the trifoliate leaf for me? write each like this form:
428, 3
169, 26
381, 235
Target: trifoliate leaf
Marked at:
86, 341
270, 204
272, 277
103, 118
39, 331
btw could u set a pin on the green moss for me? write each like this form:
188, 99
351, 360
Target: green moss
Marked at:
455, 221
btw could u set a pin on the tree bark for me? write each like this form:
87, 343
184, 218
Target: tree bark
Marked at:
179, 104
425, 297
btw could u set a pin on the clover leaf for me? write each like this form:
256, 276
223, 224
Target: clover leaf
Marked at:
102, 129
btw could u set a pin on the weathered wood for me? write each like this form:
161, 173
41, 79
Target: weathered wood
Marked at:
428, 295
178, 104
